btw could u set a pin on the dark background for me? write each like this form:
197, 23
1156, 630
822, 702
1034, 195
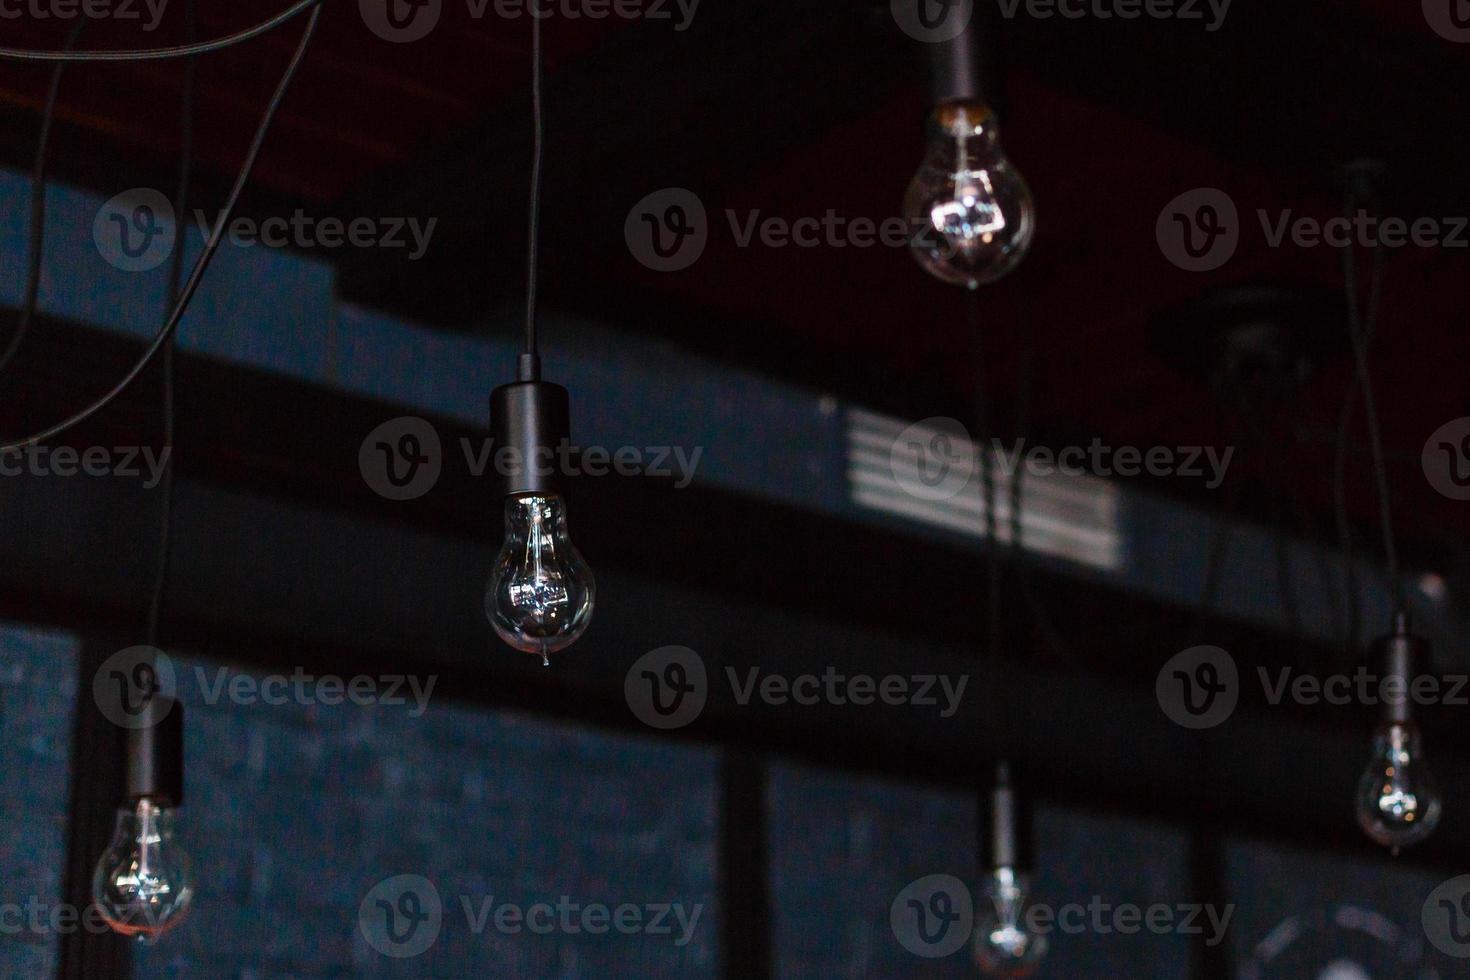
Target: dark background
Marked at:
796, 826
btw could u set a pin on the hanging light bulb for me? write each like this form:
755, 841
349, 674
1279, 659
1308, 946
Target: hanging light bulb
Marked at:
1006, 944
143, 883
1398, 800
971, 209
540, 595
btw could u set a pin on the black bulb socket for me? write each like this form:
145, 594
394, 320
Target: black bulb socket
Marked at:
155, 754
1007, 840
964, 68
529, 427
1400, 655
955, 69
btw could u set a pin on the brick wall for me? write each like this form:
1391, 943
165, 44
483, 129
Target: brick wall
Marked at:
843, 849
295, 813
37, 694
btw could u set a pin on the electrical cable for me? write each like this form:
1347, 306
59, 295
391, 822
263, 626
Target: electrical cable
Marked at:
196, 275
987, 479
161, 54
37, 233
1342, 439
1022, 569
533, 215
175, 279
1362, 323
1023, 415
992, 554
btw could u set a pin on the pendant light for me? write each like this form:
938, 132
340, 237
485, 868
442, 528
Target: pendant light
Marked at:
1397, 802
971, 210
1006, 945
143, 884
540, 595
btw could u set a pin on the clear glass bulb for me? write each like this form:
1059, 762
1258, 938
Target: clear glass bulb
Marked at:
1005, 944
144, 881
540, 594
971, 209
1398, 800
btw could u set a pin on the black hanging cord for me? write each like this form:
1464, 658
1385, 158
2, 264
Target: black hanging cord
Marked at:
987, 477
159, 54
175, 280
992, 553
34, 261
1362, 325
1025, 396
533, 217
201, 264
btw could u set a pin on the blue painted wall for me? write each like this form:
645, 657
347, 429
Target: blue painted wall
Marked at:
296, 813
37, 694
843, 849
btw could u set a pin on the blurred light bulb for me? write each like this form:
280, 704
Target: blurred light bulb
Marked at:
1398, 801
971, 209
540, 594
1005, 944
143, 882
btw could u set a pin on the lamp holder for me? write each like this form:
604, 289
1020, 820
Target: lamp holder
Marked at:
531, 419
155, 754
1400, 653
1007, 841
954, 69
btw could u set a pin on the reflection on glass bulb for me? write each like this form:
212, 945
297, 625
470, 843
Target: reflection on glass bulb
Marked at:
1398, 801
540, 594
971, 209
1005, 944
143, 883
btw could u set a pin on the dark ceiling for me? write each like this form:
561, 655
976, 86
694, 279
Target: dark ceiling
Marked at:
799, 108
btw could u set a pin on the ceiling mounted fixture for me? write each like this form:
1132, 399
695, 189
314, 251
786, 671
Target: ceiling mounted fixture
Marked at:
1267, 339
